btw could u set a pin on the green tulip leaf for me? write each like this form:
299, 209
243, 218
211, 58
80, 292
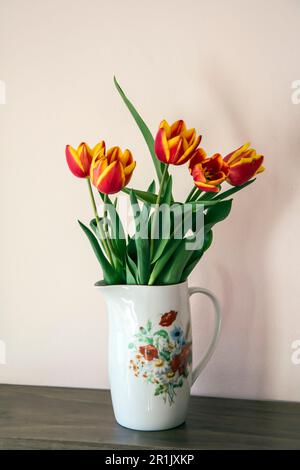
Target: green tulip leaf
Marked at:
142, 244
94, 227
176, 265
182, 220
131, 271
233, 190
207, 195
216, 214
167, 196
117, 231
205, 203
196, 256
111, 276
144, 196
143, 128
162, 262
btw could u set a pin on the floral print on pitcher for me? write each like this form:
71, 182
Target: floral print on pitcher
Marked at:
161, 355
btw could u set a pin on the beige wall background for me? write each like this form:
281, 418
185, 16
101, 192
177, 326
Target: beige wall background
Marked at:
227, 68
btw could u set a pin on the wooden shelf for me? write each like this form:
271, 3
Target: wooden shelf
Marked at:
67, 418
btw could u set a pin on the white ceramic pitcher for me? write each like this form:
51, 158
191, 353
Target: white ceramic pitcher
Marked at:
150, 353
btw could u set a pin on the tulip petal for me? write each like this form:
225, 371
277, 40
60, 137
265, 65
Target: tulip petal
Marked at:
198, 174
98, 165
175, 145
198, 157
244, 170
113, 154
128, 170
161, 146
85, 156
215, 165
206, 187
233, 156
190, 136
177, 128
83, 147
187, 154
112, 179
164, 125
126, 158
99, 148
218, 178
260, 170
74, 162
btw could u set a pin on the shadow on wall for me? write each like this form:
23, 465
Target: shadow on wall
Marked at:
243, 268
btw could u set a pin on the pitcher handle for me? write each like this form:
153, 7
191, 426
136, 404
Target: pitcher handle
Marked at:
211, 348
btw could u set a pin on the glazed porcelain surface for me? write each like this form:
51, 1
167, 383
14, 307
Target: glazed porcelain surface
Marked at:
150, 353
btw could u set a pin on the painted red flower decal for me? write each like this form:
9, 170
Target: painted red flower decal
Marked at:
180, 361
149, 352
168, 318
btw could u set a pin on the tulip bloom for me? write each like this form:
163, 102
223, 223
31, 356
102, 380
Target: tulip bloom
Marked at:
175, 144
80, 160
111, 171
208, 172
244, 163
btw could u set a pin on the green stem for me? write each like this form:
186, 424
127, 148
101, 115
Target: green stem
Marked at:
105, 224
100, 229
155, 215
105, 215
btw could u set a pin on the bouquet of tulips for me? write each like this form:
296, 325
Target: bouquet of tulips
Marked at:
170, 237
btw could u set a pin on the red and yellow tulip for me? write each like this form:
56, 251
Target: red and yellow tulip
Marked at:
208, 172
244, 163
80, 160
175, 144
111, 171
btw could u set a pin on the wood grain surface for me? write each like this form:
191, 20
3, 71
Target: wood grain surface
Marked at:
65, 418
